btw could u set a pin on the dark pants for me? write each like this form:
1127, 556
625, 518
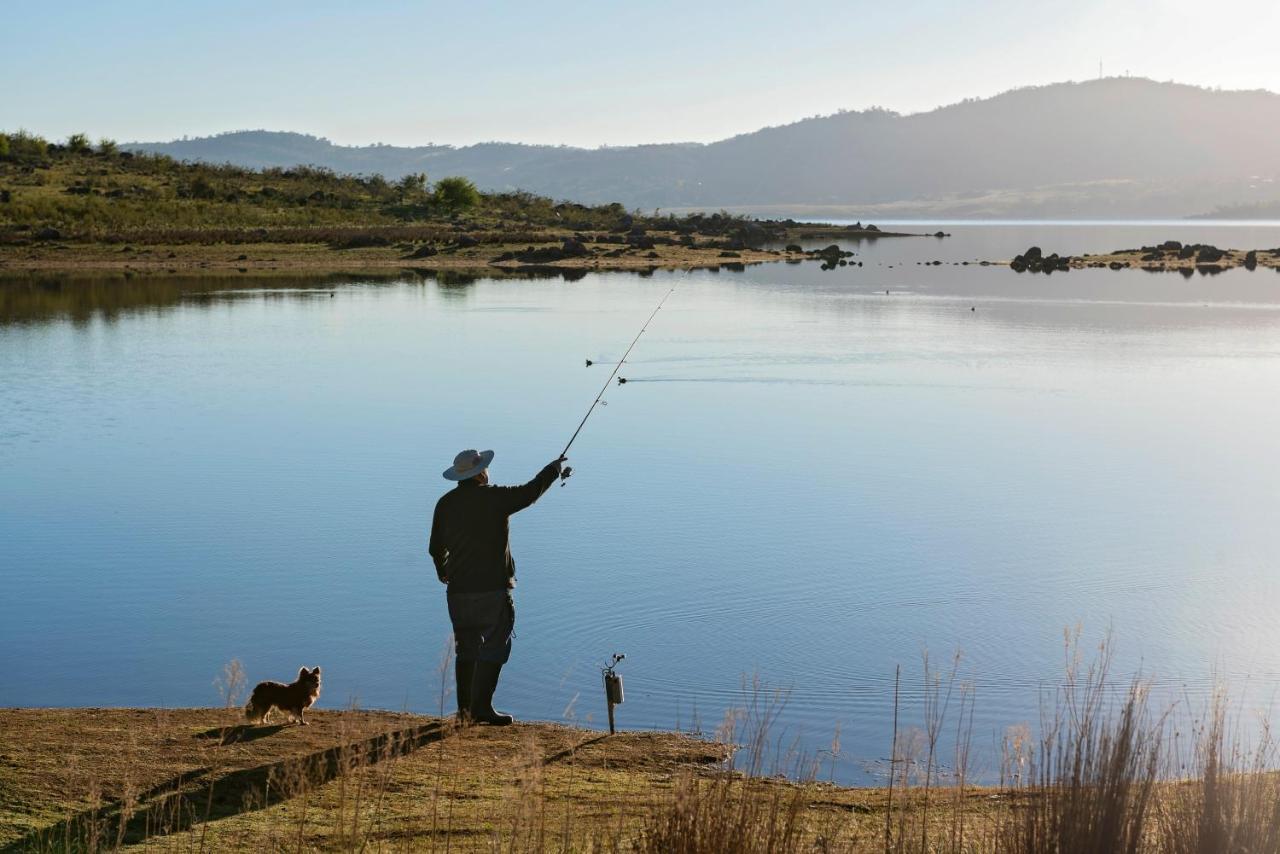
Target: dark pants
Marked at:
483, 625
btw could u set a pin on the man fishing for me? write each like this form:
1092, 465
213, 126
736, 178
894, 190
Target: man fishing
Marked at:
472, 554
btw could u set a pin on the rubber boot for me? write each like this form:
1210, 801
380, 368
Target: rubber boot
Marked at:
486, 682
464, 672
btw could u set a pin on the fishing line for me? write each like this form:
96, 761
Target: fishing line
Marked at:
567, 471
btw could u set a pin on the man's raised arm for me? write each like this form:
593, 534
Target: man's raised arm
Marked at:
516, 498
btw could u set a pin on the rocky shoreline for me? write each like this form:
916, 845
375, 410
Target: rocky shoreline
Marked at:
1169, 256
636, 248
569, 253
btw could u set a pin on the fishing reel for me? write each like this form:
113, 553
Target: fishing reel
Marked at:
613, 695
565, 471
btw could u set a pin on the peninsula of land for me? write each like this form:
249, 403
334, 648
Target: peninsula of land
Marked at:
76, 207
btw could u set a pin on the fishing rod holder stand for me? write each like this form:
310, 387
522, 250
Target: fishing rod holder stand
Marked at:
612, 687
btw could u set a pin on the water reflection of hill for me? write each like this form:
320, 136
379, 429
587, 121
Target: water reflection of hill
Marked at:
81, 298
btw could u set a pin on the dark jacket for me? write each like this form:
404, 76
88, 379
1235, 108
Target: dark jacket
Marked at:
469, 532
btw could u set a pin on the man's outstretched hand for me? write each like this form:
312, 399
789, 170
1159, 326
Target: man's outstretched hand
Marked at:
559, 463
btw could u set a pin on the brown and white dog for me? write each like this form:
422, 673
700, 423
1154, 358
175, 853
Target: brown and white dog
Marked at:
293, 699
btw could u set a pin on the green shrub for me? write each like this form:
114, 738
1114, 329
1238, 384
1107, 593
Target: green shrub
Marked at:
107, 146
456, 195
78, 143
25, 147
202, 188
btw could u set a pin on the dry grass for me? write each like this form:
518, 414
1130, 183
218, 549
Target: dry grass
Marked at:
1107, 772
197, 778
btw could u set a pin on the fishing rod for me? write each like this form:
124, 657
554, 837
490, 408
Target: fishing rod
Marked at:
568, 470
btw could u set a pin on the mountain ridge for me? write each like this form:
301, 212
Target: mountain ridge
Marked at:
1110, 147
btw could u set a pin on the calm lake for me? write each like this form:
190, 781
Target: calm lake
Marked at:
806, 479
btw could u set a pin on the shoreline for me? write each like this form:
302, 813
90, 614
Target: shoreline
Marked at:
547, 255
187, 775
307, 258
499, 251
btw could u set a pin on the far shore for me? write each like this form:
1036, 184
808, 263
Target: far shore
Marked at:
368, 251
310, 258
496, 254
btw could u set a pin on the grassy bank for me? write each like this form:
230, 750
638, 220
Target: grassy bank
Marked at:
1106, 772
196, 779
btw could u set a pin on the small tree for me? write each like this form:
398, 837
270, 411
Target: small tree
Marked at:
413, 185
78, 143
25, 146
377, 186
107, 147
456, 194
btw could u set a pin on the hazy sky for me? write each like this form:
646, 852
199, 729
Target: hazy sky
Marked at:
581, 73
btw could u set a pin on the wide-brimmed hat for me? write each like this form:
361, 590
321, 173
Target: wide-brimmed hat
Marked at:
467, 464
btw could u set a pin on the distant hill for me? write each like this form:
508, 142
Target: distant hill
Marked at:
1110, 147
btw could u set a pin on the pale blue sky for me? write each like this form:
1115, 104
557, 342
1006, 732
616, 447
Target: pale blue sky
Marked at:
581, 73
